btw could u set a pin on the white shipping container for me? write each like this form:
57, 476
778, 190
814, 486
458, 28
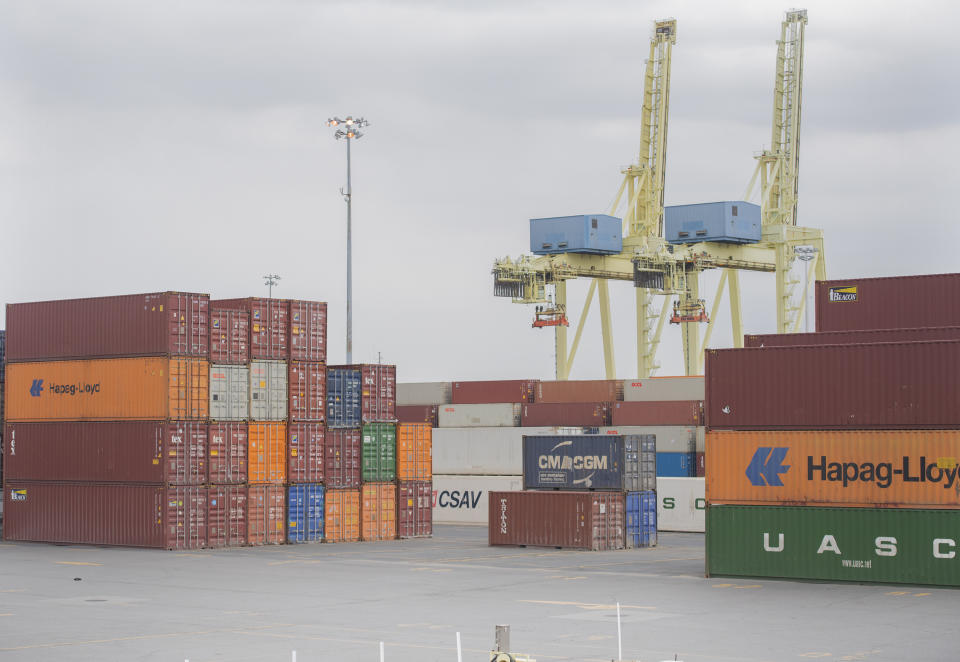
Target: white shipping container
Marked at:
268, 390
424, 393
465, 499
229, 392
481, 451
681, 504
670, 438
659, 389
497, 415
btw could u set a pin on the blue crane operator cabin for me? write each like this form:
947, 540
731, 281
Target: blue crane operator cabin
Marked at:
598, 234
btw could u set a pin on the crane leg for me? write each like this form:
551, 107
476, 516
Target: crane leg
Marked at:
713, 319
644, 345
606, 329
560, 300
579, 333
736, 317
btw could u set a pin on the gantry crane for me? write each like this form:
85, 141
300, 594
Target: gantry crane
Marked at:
658, 268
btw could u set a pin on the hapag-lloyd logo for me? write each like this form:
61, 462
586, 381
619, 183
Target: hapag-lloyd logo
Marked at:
80, 388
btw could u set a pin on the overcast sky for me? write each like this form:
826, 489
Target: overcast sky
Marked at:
150, 146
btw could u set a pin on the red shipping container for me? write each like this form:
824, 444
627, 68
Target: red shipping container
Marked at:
269, 327
591, 390
574, 520
575, 414
308, 330
414, 509
227, 454
888, 303
341, 461
307, 391
229, 335
677, 412
158, 324
378, 391
266, 514
510, 390
99, 514
158, 452
418, 414
701, 466
305, 452
852, 337
877, 386
227, 515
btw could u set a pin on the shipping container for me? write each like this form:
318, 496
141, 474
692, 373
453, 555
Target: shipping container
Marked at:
227, 515
681, 504
572, 414
575, 520
888, 303
414, 452
173, 452
510, 390
881, 468
305, 452
305, 510
379, 453
591, 390
343, 398
267, 454
676, 465
308, 330
589, 462
227, 459
268, 390
701, 465
852, 337
229, 336
599, 234
229, 392
424, 393
428, 414
106, 514
307, 384
487, 415
463, 499
884, 385
885, 545
659, 389
670, 438
108, 389
266, 514
378, 511
342, 515
158, 324
378, 391
481, 451
341, 462
667, 412
269, 325
414, 516
641, 514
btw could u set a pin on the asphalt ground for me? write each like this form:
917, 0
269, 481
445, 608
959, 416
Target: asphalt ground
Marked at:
337, 602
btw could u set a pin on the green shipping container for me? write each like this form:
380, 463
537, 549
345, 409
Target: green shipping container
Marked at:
883, 545
379, 452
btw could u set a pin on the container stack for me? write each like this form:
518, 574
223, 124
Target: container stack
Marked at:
833, 455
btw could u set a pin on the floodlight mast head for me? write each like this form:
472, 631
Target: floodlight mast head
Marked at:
352, 127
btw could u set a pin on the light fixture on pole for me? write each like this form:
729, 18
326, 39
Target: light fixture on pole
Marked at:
270, 280
805, 254
348, 129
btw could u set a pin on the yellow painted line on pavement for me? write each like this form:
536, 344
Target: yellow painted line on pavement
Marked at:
6, 614
141, 637
77, 563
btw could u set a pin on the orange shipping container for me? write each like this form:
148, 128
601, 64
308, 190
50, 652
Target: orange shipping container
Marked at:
379, 511
153, 388
267, 454
414, 451
341, 516
266, 514
866, 468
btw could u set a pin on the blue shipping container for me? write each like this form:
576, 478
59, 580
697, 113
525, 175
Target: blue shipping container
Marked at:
589, 462
343, 398
588, 233
676, 465
732, 222
305, 513
641, 519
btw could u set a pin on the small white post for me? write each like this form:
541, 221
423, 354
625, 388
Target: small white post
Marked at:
381, 651
459, 652
294, 656
619, 638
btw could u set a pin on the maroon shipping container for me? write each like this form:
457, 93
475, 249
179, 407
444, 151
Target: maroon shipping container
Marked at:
511, 390
341, 458
158, 452
269, 325
414, 509
576, 414
307, 391
98, 514
877, 386
419, 414
227, 456
163, 323
227, 515
308, 330
852, 337
592, 390
229, 335
305, 452
668, 412
888, 303
575, 520
701, 466
266, 514
378, 391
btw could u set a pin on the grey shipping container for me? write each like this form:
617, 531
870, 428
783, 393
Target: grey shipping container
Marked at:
487, 415
670, 438
590, 462
268, 390
229, 392
659, 389
424, 393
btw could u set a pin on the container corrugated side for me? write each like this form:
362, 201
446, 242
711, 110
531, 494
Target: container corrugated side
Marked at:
481, 451
667, 412
670, 438
571, 414
414, 515
681, 504
227, 453
655, 389
676, 465
378, 511
414, 452
267, 452
227, 515
308, 330
575, 520
589, 462
463, 499
428, 414
378, 391
269, 325
342, 515
307, 383
229, 336
424, 393
305, 510
305, 446
342, 458
343, 398
486, 415
266, 514
268, 390
886, 545
852, 337
590, 390
510, 390
229, 392
379, 453
641, 519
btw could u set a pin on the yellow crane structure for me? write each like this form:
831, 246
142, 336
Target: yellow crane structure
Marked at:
658, 268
